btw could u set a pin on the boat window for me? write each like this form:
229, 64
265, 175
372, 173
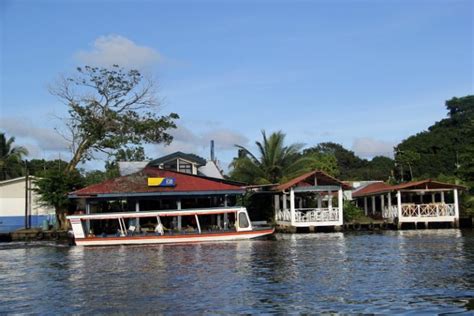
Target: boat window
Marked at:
243, 220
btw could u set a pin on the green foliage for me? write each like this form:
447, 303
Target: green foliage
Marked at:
350, 166
37, 167
405, 159
53, 188
352, 212
11, 164
110, 108
446, 147
276, 162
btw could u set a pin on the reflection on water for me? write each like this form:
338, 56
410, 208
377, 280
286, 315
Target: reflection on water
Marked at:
427, 271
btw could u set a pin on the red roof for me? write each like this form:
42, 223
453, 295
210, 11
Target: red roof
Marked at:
138, 183
381, 187
323, 179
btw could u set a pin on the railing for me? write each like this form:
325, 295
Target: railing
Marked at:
420, 210
427, 210
305, 215
390, 212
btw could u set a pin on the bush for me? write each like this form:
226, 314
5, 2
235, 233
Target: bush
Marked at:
352, 212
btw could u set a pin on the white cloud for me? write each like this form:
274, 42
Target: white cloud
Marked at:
368, 147
37, 138
189, 141
115, 49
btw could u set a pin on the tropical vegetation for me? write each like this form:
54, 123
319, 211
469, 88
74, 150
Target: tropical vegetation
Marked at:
11, 158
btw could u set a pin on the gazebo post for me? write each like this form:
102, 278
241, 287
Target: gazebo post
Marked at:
399, 205
320, 201
365, 205
285, 202
340, 204
373, 204
382, 202
442, 197
456, 208
276, 205
292, 206
88, 222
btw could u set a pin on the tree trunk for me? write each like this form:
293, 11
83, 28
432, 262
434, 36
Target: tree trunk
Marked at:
76, 158
63, 223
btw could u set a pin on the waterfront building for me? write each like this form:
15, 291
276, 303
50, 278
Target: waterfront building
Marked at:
311, 200
155, 188
17, 198
424, 201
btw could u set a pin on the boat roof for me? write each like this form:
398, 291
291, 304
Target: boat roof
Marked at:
203, 211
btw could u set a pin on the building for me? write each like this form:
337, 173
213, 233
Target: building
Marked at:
154, 188
307, 201
15, 199
178, 161
424, 201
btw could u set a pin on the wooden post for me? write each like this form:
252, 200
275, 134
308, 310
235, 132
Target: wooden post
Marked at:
373, 204
433, 197
442, 197
285, 206
292, 205
365, 206
88, 222
456, 208
330, 201
399, 205
320, 201
382, 202
178, 206
226, 215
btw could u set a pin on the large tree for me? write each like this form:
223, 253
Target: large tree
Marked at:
110, 108
11, 164
274, 163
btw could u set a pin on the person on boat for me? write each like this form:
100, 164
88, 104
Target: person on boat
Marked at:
159, 229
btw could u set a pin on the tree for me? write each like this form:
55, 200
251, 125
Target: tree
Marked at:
406, 158
53, 187
108, 109
275, 162
347, 160
11, 165
37, 167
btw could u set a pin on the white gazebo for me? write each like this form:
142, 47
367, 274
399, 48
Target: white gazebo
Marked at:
423, 201
311, 200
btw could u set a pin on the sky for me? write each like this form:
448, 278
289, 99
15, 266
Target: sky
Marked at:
366, 74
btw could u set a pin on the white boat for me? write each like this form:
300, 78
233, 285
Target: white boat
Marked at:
204, 225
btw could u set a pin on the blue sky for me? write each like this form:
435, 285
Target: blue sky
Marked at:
365, 74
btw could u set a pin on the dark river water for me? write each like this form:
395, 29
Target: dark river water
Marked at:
406, 272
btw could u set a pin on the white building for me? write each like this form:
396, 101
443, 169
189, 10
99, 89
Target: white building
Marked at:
12, 205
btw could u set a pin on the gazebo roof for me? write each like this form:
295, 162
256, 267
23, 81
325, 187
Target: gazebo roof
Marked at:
136, 184
323, 179
381, 187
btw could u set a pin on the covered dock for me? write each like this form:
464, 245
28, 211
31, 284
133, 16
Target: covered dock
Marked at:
311, 200
426, 201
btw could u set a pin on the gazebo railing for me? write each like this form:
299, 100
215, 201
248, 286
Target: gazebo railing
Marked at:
305, 215
428, 210
420, 210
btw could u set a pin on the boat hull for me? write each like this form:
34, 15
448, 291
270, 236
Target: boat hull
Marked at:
172, 239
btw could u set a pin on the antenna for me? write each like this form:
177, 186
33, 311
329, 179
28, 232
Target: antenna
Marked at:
212, 150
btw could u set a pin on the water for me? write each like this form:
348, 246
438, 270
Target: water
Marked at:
428, 271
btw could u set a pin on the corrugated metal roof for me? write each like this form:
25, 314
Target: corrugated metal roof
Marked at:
323, 179
138, 183
380, 187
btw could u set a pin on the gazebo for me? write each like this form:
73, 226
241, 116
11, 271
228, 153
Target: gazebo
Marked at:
307, 201
424, 201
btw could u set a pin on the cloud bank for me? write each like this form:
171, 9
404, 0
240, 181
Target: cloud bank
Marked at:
368, 147
115, 49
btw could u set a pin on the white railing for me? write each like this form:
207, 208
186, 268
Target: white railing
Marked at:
427, 210
420, 210
390, 212
306, 215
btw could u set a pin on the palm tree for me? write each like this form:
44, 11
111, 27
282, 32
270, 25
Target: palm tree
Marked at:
10, 158
276, 162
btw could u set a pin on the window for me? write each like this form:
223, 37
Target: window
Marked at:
185, 167
243, 220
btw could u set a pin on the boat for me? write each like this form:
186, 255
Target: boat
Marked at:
165, 227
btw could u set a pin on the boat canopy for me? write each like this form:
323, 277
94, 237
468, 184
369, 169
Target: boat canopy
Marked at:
207, 211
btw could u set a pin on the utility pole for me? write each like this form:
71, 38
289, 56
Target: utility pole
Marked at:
26, 196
